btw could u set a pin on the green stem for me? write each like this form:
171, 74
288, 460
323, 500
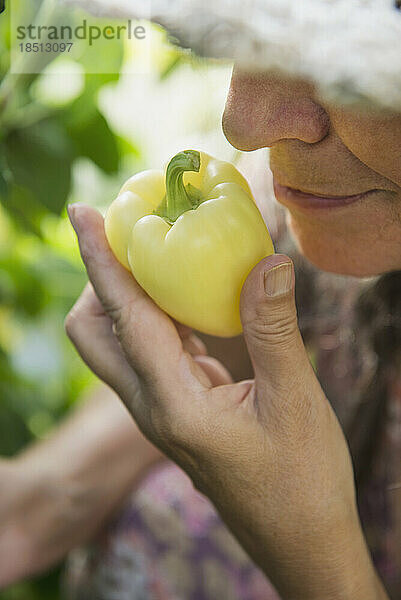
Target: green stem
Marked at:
179, 198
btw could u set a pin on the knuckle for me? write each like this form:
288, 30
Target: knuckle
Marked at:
93, 251
128, 321
72, 323
124, 321
274, 327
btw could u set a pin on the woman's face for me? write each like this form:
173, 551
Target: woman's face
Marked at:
336, 170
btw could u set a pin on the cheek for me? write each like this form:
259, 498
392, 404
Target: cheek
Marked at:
361, 241
376, 141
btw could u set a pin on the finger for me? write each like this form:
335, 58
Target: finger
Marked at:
191, 343
147, 335
183, 330
216, 372
90, 330
269, 318
194, 345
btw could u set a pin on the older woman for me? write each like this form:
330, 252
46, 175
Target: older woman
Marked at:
269, 451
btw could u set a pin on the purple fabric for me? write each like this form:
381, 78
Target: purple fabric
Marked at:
168, 543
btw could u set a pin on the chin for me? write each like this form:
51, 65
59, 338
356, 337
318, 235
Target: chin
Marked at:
332, 253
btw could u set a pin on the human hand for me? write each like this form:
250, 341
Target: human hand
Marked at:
269, 452
30, 505
54, 495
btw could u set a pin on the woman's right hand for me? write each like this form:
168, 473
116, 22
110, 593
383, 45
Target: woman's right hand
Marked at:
54, 496
269, 453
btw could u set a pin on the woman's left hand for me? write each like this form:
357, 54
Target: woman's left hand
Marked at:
269, 453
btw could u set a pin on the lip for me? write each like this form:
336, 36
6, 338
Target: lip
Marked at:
296, 198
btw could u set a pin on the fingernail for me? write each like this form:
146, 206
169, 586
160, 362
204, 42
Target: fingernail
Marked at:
71, 214
278, 280
72, 210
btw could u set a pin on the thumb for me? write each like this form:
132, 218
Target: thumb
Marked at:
269, 319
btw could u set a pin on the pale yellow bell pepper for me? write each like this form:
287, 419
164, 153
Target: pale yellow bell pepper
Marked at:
190, 236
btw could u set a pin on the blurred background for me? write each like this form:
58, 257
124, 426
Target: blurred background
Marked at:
69, 135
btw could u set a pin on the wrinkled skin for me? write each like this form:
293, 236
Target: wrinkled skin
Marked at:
330, 151
269, 452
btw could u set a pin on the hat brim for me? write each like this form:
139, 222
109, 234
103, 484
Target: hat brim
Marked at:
351, 49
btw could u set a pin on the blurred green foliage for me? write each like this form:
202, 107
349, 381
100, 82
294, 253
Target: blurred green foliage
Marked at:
41, 144
40, 272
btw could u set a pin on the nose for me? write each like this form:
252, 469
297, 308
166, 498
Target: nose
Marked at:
263, 109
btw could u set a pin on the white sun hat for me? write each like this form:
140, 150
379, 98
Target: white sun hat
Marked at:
351, 49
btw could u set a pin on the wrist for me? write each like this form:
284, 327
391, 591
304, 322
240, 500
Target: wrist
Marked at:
22, 498
350, 586
20, 482
340, 566
310, 558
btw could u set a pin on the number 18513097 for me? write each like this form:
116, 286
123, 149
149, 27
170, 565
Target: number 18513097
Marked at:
46, 47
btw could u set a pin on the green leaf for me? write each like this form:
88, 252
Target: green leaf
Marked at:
21, 286
3, 186
94, 139
172, 65
103, 58
14, 432
40, 158
128, 149
95, 81
23, 207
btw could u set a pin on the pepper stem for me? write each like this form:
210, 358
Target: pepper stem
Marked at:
179, 198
